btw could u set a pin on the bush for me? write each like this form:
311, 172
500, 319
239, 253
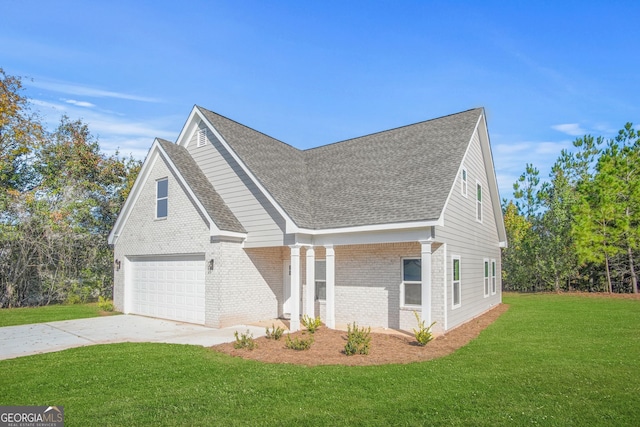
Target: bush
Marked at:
311, 323
358, 340
299, 343
244, 341
275, 332
105, 304
423, 333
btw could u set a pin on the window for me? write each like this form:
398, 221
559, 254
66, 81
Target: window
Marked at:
202, 137
493, 277
486, 277
455, 282
321, 280
478, 201
463, 182
162, 198
411, 281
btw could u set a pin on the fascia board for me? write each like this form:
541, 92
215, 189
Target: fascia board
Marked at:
147, 166
291, 227
493, 181
370, 237
460, 166
370, 228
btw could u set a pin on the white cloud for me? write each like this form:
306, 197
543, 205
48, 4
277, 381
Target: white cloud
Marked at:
572, 129
81, 90
79, 103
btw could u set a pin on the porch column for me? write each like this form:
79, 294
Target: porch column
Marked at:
331, 287
425, 255
311, 282
294, 324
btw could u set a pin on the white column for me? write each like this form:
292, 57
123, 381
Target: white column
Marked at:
311, 282
425, 255
331, 287
294, 324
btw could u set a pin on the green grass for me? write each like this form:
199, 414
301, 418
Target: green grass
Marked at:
550, 360
48, 313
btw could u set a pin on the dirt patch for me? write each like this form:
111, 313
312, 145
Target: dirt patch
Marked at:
328, 346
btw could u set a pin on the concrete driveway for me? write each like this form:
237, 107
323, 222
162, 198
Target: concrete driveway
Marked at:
24, 340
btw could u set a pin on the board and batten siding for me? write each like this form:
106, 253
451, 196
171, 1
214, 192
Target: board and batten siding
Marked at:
471, 240
263, 223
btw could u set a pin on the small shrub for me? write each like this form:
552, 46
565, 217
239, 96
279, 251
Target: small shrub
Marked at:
423, 333
299, 343
311, 323
275, 333
105, 304
244, 341
358, 340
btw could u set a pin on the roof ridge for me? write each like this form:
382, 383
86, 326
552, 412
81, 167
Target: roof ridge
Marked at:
247, 127
392, 129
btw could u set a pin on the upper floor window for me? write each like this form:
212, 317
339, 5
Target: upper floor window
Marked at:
463, 182
202, 137
479, 201
411, 282
162, 198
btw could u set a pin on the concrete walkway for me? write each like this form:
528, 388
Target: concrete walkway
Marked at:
24, 340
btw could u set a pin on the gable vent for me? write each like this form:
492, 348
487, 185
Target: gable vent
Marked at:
202, 137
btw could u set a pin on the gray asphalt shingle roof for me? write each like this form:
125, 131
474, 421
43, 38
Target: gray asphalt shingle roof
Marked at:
399, 175
202, 187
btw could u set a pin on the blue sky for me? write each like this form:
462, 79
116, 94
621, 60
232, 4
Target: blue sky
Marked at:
313, 73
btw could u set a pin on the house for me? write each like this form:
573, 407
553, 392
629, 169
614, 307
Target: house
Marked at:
228, 225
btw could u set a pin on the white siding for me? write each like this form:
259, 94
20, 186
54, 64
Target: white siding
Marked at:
263, 223
473, 241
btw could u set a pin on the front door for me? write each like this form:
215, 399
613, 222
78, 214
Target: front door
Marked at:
286, 305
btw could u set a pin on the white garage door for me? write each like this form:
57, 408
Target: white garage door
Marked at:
169, 288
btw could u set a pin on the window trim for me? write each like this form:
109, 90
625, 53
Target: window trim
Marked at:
494, 271
411, 282
464, 182
479, 201
486, 273
315, 281
453, 282
159, 199
201, 139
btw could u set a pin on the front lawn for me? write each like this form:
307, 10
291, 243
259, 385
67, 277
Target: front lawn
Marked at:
549, 360
48, 313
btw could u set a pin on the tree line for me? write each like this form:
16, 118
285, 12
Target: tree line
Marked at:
59, 198
579, 230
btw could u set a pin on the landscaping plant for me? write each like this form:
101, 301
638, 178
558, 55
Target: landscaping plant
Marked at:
358, 340
244, 340
423, 333
311, 323
299, 343
274, 333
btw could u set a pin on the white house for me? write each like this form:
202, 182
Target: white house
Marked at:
228, 225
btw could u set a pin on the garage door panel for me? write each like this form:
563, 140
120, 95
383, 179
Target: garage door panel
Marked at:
169, 288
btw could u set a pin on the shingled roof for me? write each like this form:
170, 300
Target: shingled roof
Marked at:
201, 187
399, 175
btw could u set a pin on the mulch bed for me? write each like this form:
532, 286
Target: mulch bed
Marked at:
328, 346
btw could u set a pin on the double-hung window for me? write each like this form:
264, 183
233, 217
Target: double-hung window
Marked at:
486, 277
478, 201
493, 277
411, 282
456, 284
162, 198
463, 182
321, 279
